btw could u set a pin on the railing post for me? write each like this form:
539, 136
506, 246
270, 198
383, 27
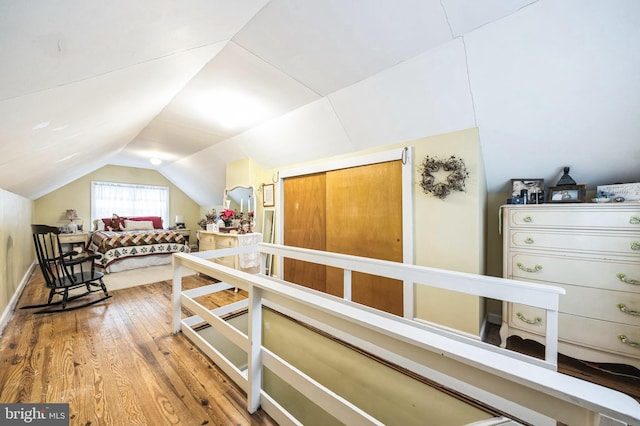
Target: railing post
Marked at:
347, 284
408, 297
255, 349
177, 289
551, 338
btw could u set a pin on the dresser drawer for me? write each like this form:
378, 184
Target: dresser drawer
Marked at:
73, 238
584, 217
207, 242
588, 332
582, 242
611, 274
527, 318
226, 242
614, 306
601, 335
226, 261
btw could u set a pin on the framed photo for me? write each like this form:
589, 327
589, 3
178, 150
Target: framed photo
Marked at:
268, 198
567, 194
533, 186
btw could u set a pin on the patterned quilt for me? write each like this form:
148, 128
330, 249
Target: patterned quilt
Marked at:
114, 246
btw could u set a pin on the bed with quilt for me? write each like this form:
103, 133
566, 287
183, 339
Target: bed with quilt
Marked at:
134, 242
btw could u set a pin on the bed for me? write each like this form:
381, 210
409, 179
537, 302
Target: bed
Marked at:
125, 243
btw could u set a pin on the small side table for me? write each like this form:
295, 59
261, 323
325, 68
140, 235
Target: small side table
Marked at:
185, 233
75, 239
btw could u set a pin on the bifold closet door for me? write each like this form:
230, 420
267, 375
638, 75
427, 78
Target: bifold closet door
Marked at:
354, 211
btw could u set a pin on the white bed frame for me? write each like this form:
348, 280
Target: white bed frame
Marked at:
525, 388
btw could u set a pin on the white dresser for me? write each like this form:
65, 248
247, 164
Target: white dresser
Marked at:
593, 252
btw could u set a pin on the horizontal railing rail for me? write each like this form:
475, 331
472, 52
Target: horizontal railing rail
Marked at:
516, 385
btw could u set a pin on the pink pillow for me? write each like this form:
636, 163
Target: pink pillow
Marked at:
157, 220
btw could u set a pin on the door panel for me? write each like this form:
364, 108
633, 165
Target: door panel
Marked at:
304, 226
364, 218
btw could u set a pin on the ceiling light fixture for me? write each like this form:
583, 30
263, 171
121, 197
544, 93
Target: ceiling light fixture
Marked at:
155, 161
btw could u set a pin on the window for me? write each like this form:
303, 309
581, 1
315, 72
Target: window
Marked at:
124, 199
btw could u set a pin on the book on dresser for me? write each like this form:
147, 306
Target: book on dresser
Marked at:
593, 252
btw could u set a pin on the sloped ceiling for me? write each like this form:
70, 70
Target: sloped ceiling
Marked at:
199, 84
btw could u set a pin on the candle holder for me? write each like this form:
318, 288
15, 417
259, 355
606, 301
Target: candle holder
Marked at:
245, 226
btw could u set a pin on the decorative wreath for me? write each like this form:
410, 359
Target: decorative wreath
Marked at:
455, 180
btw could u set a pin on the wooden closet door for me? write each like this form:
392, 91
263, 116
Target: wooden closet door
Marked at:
364, 218
305, 226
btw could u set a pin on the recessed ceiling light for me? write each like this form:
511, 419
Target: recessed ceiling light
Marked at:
40, 125
155, 161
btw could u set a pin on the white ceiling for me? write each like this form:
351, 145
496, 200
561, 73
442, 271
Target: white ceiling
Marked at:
86, 84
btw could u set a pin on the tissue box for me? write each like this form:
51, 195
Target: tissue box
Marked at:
630, 191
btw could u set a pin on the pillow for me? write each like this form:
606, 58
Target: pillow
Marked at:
113, 224
157, 220
138, 225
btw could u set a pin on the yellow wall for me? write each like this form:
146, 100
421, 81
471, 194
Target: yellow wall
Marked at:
16, 248
50, 208
449, 234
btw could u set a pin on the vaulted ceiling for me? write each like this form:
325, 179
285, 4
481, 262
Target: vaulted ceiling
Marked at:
201, 83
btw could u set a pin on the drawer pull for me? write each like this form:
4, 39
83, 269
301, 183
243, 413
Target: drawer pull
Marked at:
528, 240
527, 219
623, 308
623, 278
635, 246
535, 321
626, 341
524, 268
634, 220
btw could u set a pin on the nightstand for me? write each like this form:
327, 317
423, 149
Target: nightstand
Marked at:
185, 233
75, 239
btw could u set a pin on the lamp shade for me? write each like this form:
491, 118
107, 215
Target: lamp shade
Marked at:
179, 219
71, 214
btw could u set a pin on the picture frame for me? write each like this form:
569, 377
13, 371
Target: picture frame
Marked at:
567, 194
268, 199
533, 186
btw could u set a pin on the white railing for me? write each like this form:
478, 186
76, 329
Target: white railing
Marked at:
520, 386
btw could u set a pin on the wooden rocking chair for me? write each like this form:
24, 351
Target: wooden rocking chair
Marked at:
64, 272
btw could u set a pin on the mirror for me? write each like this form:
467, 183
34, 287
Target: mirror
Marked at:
268, 235
240, 198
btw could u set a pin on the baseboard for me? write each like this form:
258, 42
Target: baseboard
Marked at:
8, 312
494, 319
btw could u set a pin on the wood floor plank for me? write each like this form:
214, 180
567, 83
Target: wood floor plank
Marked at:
117, 363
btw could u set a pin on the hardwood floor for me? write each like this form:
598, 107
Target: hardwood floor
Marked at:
117, 363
